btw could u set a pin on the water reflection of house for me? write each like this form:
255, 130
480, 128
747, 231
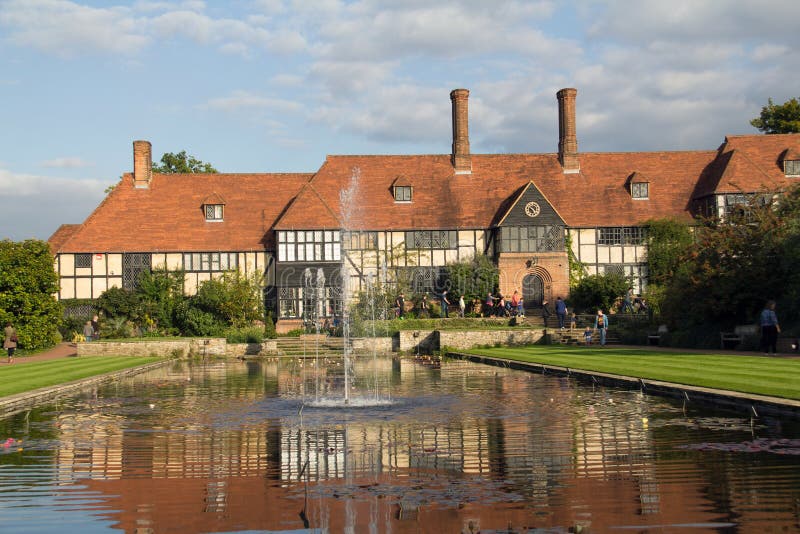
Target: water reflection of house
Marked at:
414, 215
543, 467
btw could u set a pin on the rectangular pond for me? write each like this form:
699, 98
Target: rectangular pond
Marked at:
263, 446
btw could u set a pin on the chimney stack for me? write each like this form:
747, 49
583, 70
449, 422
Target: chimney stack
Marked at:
462, 161
142, 164
567, 139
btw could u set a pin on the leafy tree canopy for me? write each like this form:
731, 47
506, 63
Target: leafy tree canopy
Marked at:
27, 284
181, 163
779, 118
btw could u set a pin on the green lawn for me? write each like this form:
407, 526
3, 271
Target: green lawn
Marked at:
34, 375
775, 377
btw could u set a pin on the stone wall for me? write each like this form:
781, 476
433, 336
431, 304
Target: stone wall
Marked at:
381, 345
427, 341
166, 349
467, 340
239, 350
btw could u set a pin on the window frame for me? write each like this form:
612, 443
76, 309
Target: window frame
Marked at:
210, 262
402, 191
794, 164
637, 188
214, 212
83, 260
309, 246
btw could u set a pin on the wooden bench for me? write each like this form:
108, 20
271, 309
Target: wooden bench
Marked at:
735, 338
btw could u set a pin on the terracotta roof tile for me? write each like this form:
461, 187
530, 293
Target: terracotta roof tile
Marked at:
168, 216
62, 235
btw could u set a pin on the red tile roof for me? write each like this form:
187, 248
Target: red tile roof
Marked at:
168, 216
62, 235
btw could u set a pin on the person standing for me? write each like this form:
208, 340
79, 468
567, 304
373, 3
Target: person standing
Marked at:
561, 312
462, 307
10, 341
488, 305
400, 304
601, 325
96, 327
769, 328
423, 307
88, 331
445, 304
545, 312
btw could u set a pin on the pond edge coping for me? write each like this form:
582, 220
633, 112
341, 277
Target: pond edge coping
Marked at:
754, 404
22, 401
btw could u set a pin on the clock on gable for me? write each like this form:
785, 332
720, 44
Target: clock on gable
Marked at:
532, 209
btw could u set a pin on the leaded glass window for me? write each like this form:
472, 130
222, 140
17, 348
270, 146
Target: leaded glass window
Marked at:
432, 239
627, 235
640, 190
214, 212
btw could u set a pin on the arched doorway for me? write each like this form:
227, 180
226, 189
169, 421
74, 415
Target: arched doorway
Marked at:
533, 290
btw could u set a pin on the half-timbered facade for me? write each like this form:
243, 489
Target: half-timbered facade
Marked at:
407, 217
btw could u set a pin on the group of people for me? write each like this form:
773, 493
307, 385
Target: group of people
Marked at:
423, 305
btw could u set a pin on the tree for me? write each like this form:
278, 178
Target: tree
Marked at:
181, 163
778, 119
735, 265
667, 240
27, 284
598, 291
473, 278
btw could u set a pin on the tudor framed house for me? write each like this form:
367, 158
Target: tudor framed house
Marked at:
408, 216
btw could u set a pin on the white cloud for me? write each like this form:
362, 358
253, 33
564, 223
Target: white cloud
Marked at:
65, 28
66, 163
35, 206
243, 100
769, 52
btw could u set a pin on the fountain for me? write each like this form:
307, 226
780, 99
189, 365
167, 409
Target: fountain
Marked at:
349, 215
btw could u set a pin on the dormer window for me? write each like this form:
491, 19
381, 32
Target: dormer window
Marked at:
639, 186
640, 190
214, 212
402, 193
402, 189
791, 167
214, 208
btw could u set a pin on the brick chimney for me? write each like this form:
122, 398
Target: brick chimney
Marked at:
462, 161
142, 164
567, 140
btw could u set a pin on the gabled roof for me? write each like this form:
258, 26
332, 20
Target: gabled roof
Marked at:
168, 215
213, 198
548, 213
748, 163
305, 206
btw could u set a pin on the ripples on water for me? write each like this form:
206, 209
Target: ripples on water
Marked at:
235, 447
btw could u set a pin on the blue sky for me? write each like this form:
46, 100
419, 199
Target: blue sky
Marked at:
276, 85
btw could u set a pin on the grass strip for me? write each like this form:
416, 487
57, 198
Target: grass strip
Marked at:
16, 379
774, 377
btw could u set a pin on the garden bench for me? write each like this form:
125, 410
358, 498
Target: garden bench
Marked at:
655, 339
733, 339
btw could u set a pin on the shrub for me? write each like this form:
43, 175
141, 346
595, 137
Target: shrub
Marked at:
269, 327
249, 334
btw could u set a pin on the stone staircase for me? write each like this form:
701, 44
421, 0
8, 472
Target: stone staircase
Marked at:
310, 345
